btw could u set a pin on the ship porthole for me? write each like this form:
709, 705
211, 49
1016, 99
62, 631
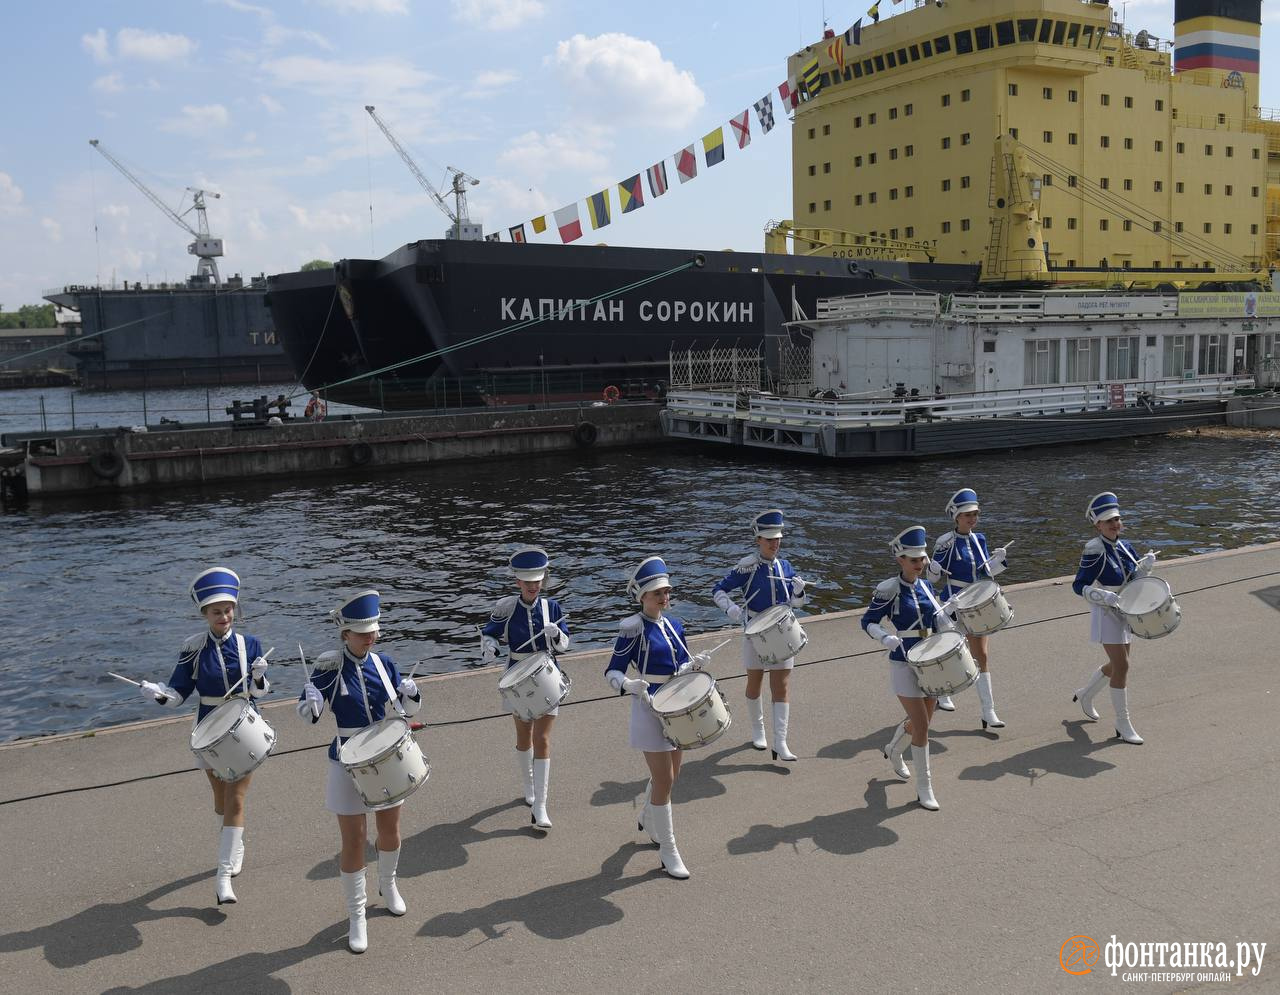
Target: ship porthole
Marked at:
585, 434
106, 465
360, 453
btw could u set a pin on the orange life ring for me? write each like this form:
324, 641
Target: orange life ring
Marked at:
611, 393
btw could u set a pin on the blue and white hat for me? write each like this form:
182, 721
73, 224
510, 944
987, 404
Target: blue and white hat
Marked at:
965, 499
910, 542
650, 575
768, 524
359, 613
530, 563
1102, 507
214, 585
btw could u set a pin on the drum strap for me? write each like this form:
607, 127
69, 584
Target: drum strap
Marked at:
393, 699
669, 631
546, 620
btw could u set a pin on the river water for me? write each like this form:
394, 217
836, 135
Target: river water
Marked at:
100, 584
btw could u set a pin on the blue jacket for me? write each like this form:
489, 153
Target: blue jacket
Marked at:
520, 626
211, 667
654, 648
355, 693
765, 582
1105, 564
963, 560
909, 607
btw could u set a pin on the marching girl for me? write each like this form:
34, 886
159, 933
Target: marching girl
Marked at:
907, 601
1107, 563
529, 624
357, 685
765, 580
654, 644
961, 558
212, 664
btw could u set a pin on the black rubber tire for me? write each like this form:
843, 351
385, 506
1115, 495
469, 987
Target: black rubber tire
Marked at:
106, 465
361, 453
585, 434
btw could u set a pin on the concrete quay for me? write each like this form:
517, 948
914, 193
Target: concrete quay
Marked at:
818, 876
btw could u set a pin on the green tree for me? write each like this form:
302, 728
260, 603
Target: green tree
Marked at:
316, 264
28, 316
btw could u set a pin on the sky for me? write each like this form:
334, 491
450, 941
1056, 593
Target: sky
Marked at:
543, 101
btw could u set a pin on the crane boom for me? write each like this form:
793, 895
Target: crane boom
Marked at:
204, 247
462, 228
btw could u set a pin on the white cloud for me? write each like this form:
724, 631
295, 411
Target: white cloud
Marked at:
272, 105
114, 210
369, 6
152, 46
10, 195
52, 228
276, 35
97, 45
618, 77
497, 15
333, 77
537, 154
111, 83
197, 120
493, 80
321, 219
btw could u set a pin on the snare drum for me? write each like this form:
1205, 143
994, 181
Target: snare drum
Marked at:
775, 634
981, 608
385, 762
233, 740
943, 664
533, 687
1147, 606
691, 710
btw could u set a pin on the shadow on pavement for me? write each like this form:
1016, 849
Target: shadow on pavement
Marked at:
699, 777
109, 929
1071, 758
558, 911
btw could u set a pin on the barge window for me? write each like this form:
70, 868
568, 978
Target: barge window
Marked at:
891, 59
1177, 350
1046, 28
857, 70
964, 42
1083, 359
983, 34
879, 63
915, 52
1087, 37
1004, 32
902, 56
867, 67
927, 48
1122, 357
1026, 29
1073, 35
1059, 31
1212, 354
942, 45
1041, 362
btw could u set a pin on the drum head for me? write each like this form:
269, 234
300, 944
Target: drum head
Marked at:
217, 723
681, 693
976, 594
373, 741
767, 619
938, 645
1143, 595
519, 671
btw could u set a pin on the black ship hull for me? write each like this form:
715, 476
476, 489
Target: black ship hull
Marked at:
459, 320
174, 337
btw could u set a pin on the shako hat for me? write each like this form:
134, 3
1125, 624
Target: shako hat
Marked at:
910, 542
650, 575
965, 499
214, 585
530, 563
359, 613
768, 524
1102, 507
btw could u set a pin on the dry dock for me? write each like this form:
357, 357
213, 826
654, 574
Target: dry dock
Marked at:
818, 876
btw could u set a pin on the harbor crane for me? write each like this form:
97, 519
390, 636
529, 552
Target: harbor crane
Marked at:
205, 247
462, 227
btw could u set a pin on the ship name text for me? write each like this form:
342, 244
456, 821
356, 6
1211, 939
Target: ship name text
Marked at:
570, 309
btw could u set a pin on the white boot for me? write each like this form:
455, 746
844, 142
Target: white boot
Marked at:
1124, 728
894, 749
924, 777
989, 716
227, 843
541, 778
237, 858
667, 852
524, 764
353, 885
755, 711
646, 811
1085, 694
945, 703
781, 715
388, 861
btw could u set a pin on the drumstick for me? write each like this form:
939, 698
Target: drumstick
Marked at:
136, 684
718, 646
315, 709
233, 687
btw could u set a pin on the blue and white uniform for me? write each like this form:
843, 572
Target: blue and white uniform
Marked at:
915, 613
765, 584
522, 628
964, 558
656, 649
1106, 566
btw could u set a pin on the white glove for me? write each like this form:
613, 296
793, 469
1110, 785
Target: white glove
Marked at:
700, 661
259, 668
933, 571
998, 562
1001, 554
151, 690
797, 587
407, 687
632, 685
311, 696
1145, 564
488, 649
890, 642
1101, 596
734, 612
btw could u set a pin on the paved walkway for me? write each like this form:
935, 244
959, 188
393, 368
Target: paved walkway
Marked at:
822, 875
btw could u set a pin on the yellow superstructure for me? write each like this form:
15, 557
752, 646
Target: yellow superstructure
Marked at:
1125, 164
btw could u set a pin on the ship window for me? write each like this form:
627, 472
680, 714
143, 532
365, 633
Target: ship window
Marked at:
907, 110
1073, 35
1253, 229
1013, 133
1159, 105
1013, 89
1105, 183
857, 200
1103, 224
1073, 96
927, 48
857, 162
1046, 28
1157, 227
1048, 137
1128, 183
909, 151
857, 121
1158, 186
857, 70
1177, 227
1257, 154
826, 129
1046, 180
1072, 138
946, 141
946, 100
989, 345
942, 45
1041, 362
1083, 359
1046, 223
893, 154
826, 167
826, 204
964, 183
1071, 181
1177, 350
813, 170
1128, 225
811, 132
867, 67
1128, 143
871, 158
1105, 99
1180, 148
824, 80
1047, 93
871, 197
1128, 103
1178, 187
1026, 29
909, 191
893, 193
915, 53
1071, 224
1230, 151
983, 35
1229, 189
946, 227
1208, 227
1004, 32
910, 232
964, 224
1106, 141
1212, 353
1122, 357
1253, 191
964, 42
946, 185
965, 138
1226, 228
902, 56
1159, 145
893, 234
1177, 264
965, 95
1208, 189
879, 60
1059, 31
1151, 339
1222, 119
1208, 150
812, 207
893, 113
891, 59
1087, 36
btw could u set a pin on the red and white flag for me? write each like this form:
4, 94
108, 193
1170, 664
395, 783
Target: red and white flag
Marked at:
657, 175
741, 129
686, 164
568, 223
